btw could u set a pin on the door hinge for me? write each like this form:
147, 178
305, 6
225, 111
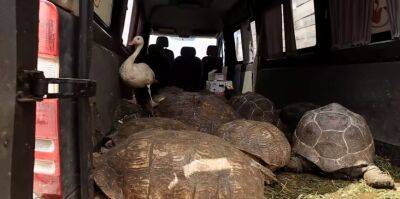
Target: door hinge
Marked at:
33, 86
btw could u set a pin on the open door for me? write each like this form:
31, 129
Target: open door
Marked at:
22, 86
18, 52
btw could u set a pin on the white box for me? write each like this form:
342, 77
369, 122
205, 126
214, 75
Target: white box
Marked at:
219, 86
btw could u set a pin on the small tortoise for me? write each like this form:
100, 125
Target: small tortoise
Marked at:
205, 112
338, 142
178, 164
253, 106
133, 126
260, 139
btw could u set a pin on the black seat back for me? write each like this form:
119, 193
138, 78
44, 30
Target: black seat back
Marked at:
211, 61
187, 70
159, 63
164, 43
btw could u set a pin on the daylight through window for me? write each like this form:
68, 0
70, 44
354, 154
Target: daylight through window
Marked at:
304, 23
176, 43
253, 47
127, 23
238, 45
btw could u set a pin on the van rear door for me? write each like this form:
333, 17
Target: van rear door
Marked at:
22, 85
18, 52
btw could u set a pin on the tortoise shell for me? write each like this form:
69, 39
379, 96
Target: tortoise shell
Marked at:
334, 138
253, 106
173, 164
133, 126
260, 139
203, 111
167, 92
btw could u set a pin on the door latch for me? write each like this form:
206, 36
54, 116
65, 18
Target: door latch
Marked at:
33, 86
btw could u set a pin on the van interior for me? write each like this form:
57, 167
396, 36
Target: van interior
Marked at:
289, 51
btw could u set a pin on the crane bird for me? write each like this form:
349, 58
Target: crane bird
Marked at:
137, 75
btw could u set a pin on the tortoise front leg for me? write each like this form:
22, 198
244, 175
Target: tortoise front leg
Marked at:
298, 164
376, 178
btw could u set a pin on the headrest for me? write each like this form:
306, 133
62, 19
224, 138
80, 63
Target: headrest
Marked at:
163, 42
212, 51
188, 52
154, 49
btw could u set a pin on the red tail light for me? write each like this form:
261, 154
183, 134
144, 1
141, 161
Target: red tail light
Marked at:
47, 170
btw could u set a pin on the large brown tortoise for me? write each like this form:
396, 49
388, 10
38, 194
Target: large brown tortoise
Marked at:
134, 125
178, 164
261, 140
206, 112
253, 106
338, 142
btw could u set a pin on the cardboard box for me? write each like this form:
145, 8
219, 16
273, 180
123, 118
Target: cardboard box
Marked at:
219, 86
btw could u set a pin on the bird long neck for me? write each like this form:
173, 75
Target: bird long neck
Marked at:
133, 57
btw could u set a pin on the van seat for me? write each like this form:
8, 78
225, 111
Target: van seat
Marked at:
164, 43
159, 64
211, 61
187, 70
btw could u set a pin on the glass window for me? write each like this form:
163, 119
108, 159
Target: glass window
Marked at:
238, 45
253, 47
304, 23
176, 43
283, 29
380, 22
222, 52
103, 9
127, 23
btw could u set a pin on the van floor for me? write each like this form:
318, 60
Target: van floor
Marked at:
309, 186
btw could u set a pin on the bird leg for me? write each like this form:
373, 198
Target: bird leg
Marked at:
152, 102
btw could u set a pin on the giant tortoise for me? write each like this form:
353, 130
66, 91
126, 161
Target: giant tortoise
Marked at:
178, 164
253, 106
134, 125
168, 92
259, 139
206, 112
339, 142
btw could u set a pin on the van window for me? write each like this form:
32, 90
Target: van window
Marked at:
103, 10
127, 23
253, 48
380, 22
283, 29
304, 23
222, 53
176, 43
238, 45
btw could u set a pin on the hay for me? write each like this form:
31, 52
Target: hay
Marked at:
357, 190
309, 186
292, 185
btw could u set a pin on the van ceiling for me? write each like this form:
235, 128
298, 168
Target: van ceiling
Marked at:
187, 17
